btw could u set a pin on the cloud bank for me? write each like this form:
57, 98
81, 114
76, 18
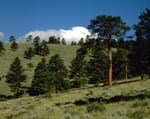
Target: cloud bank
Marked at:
73, 34
1, 35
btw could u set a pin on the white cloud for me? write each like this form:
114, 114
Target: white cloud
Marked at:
74, 34
1, 35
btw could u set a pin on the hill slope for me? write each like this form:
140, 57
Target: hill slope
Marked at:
123, 101
67, 52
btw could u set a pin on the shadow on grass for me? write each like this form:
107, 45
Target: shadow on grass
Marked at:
126, 81
114, 99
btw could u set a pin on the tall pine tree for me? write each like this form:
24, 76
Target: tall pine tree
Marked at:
58, 70
140, 54
40, 80
15, 77
106, 27
97, 65
78, 68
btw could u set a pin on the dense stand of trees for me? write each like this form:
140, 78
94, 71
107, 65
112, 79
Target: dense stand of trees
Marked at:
40, 48
49, 77
96, 60
140, 56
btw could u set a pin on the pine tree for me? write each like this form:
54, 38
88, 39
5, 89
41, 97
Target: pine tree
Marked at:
120, 63
12, 39
58, 70
15, 77
36, 45
54, 40
40, 80
140, 54
29, 38
1, 47
77, 68
106, 27
29, 53
73, 43
63, 42
14, 46
81, 41
97, 65
44, 50
36, 40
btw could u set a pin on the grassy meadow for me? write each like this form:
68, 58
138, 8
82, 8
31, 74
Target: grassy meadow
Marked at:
122, 101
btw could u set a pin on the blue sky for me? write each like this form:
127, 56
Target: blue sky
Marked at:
19, 17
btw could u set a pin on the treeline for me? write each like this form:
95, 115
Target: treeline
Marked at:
96, 60
54, 40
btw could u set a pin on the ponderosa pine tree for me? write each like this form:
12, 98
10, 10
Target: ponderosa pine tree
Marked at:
12, 39
29, 38
126, 46
120, 64
106, 27
28, 54
1, 47
36, 42
78, 68
73, 43
15, 77
141, 51
58, 71
14, 46
40, 82
44, 50
81, 41
53, 40
63, 42
97, 65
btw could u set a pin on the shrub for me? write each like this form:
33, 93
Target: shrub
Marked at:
94, 107
30, 65
140, 104
138, 114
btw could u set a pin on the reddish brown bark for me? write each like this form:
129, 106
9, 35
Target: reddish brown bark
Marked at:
109, 66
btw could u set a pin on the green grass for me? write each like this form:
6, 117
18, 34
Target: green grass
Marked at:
67, 52
61, 105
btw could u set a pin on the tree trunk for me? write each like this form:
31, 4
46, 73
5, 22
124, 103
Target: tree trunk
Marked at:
109, 66
109, 58
126, 71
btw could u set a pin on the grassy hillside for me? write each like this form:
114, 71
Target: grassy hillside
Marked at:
122, 101
126, 99
67, 53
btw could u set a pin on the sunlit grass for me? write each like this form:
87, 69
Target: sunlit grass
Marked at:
67, 52
60, 106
